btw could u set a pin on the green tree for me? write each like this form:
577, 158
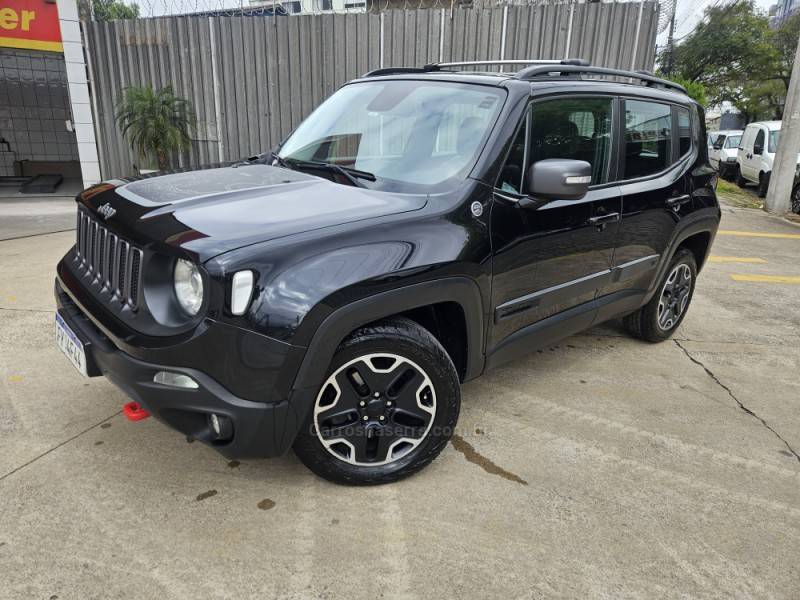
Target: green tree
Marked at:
730, 48
695, 89
155, 122
784, 38
111, 10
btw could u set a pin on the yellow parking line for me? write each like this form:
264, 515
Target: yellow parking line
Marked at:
767, 278
783, 236
736, 259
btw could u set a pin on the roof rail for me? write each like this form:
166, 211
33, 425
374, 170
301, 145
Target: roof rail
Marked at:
482, 63
401, 70
433, 67
643, 76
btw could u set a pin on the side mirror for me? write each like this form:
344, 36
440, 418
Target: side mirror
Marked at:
559, 179
758, 149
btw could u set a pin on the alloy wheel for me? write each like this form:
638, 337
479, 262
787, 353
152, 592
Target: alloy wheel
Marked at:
375, 409
674, 296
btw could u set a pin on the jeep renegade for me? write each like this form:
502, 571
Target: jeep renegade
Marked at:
418, 228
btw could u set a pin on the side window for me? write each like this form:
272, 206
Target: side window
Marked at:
648, 128
513, 174
759, 143
685, 132
717, 145
576, 128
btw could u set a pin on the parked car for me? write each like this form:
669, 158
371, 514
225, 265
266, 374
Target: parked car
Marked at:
711, 137
756, 154
723, 153
796, 192
420, 227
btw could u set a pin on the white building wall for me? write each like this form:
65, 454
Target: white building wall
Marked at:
80, 103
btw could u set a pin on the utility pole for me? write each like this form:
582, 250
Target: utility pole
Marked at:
783, 169
670, 42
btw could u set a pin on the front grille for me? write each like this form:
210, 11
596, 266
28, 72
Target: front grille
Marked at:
113, 264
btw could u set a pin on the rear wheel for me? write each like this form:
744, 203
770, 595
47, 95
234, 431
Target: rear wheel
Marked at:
740, 181
658, 319
387, 408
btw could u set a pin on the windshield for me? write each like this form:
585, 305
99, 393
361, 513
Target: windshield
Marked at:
413, 136
733, 141
774, 136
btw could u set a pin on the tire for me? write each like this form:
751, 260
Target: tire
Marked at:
740, 181
372, 439
763, 185
796, 200
651, 322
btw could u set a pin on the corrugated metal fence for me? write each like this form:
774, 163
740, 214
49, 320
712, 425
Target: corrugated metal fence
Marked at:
253, 79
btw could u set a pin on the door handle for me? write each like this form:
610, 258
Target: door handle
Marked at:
677, 201
601, 221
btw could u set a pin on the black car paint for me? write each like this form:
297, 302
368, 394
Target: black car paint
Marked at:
330, 257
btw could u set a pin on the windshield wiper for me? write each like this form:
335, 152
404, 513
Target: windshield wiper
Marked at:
352, 175
277, 158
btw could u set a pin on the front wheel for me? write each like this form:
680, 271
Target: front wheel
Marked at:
658, 319
387, 408
740, 181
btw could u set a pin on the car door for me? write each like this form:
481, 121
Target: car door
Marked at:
552, 257
659, 144
752, 159
714, 155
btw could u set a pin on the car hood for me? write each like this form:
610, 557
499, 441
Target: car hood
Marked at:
211, 211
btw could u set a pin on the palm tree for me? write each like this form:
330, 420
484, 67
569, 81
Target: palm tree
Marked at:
156, 122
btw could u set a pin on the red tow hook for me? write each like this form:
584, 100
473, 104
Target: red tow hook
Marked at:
134, 411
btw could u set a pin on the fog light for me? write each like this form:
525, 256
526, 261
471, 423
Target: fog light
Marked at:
221, 426
175, 380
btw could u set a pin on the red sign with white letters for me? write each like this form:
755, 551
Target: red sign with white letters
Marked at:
31, 24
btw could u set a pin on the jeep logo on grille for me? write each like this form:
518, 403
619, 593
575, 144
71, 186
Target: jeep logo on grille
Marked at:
106, 210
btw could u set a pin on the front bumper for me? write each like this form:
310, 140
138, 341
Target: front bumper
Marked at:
260, 429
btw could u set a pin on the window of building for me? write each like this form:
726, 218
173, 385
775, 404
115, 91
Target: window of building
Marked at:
648, 127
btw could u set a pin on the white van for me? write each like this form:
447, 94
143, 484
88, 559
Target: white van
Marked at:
756, 153
722, 155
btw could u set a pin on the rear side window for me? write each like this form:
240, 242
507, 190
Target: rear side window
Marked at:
685, 132
648, 133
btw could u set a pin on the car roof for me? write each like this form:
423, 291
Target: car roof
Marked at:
771, 125
535, 73
536, 85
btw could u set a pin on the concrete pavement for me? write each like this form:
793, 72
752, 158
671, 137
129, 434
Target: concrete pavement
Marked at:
602, 467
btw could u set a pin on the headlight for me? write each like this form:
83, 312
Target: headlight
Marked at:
188, 286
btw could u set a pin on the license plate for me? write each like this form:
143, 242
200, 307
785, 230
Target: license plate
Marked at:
70, 345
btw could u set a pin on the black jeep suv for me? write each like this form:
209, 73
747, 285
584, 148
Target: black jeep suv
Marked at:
420, 227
